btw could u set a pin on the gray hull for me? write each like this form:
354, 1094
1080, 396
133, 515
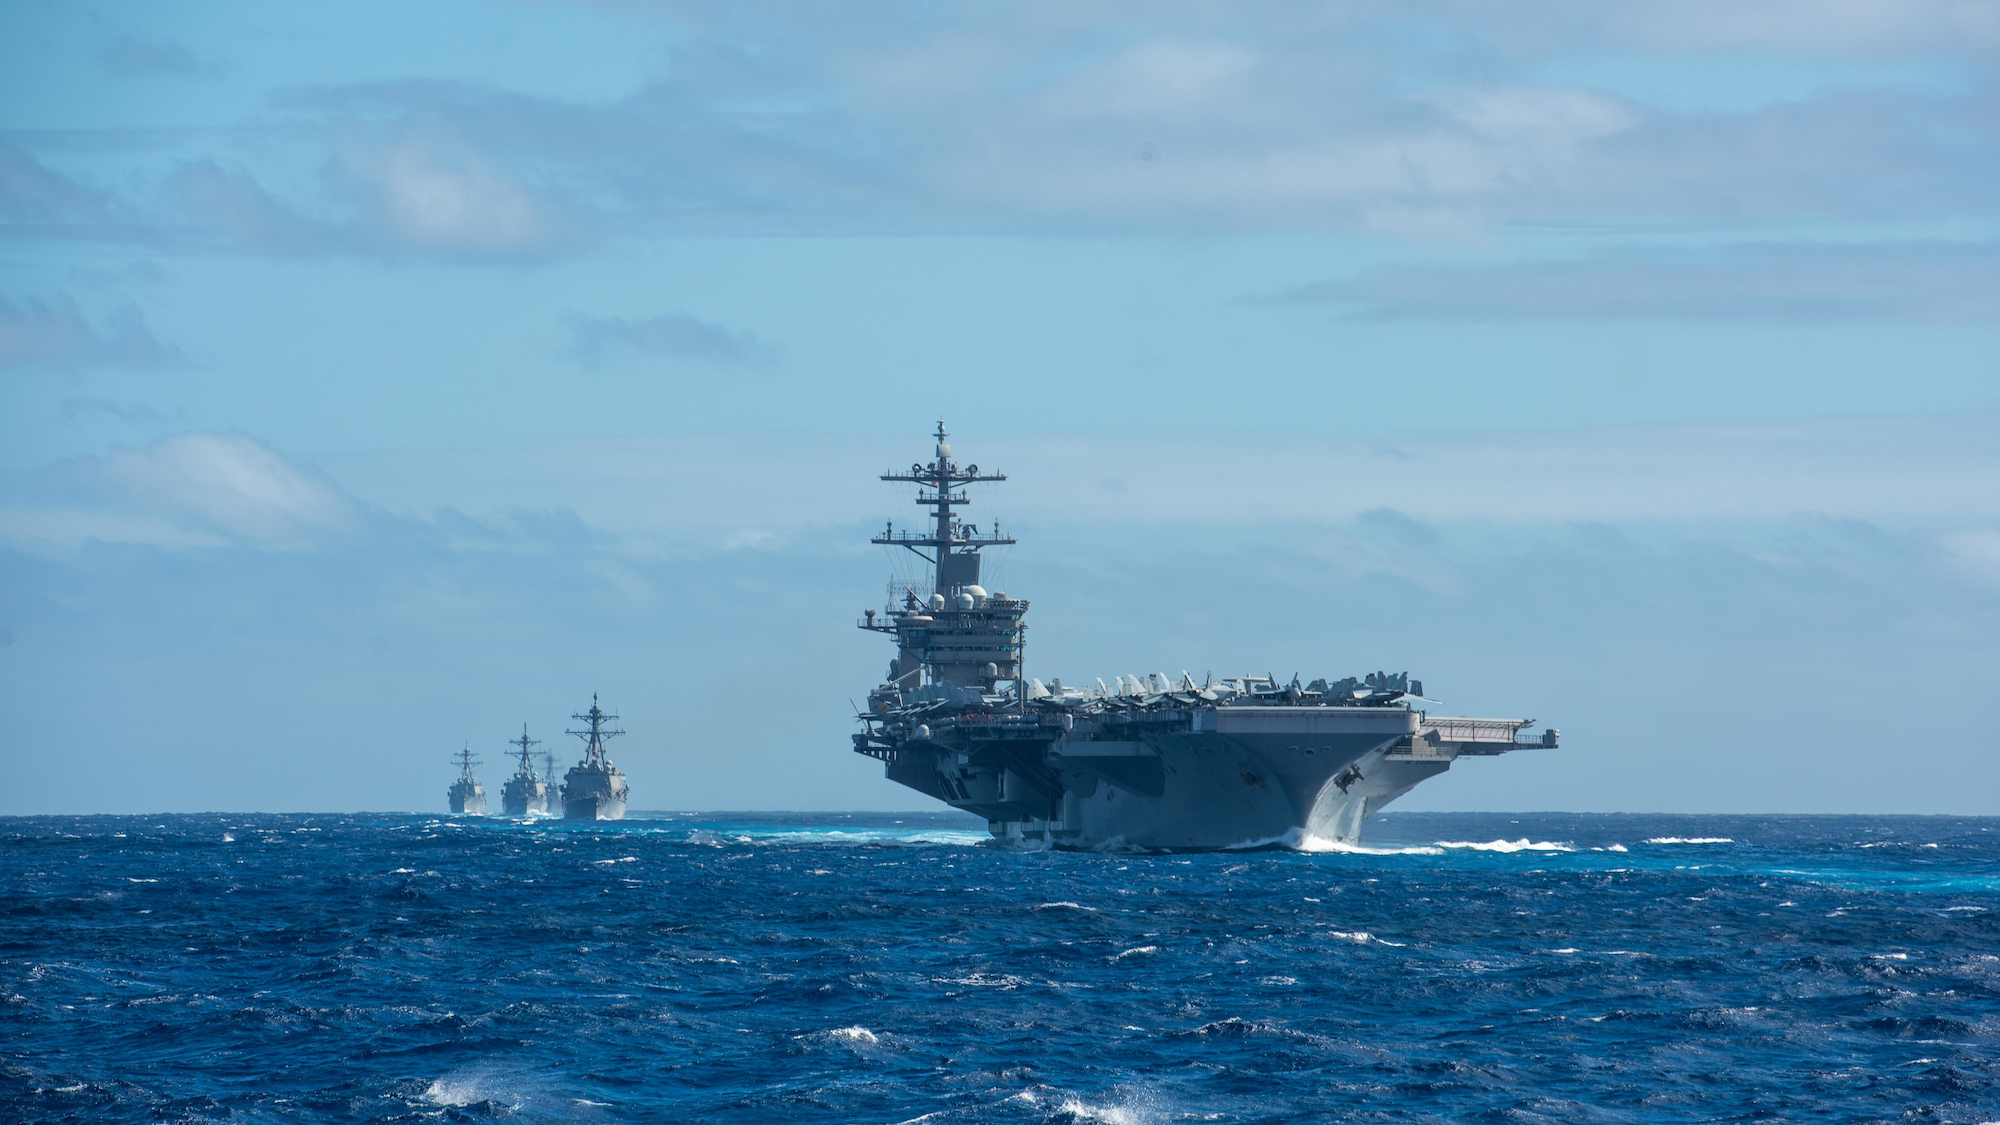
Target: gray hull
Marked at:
468, 800
1190, 780
522, 797
594, 795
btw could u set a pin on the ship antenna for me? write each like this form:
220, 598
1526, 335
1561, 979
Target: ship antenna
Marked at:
524, 742
597, 735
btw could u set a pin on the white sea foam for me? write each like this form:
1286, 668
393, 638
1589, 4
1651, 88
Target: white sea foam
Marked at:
1066, 906
1521, 845
1071, 1107
1690, 840
1005, 982
1306, 842
1362, 937
1137, 951
1617, 848
467, 1089
855, 1034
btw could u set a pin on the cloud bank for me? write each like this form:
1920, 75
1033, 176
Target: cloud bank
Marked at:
1411, 121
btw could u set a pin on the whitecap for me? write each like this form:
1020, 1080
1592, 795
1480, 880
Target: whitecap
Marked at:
1004, 983
1617, 848
1521, 845
854, 1034
461, 1091
1311, 843
1362, 937
1690, 840
1137, 951
1108, 1114
1066, 906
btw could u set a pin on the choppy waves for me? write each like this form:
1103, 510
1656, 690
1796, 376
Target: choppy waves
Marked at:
906, 968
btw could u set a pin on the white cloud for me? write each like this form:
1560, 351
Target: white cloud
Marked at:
431, 190
1422, 119
189, 490
1161, 76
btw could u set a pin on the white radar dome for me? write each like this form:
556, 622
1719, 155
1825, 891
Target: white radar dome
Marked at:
937, 602
966, 601
976, 591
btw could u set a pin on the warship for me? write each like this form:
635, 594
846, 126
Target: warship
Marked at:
594, 789
1147, 762
525, 793
467, 795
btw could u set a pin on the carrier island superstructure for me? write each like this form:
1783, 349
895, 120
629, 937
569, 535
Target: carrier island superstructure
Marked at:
1152, 762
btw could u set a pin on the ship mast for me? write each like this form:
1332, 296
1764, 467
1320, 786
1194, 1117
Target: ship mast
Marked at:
524, 742
465, 761
956, 545
596, 736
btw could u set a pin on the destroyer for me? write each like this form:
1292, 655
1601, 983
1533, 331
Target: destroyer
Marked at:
594, 789
1144, 762
467, 795
525, 793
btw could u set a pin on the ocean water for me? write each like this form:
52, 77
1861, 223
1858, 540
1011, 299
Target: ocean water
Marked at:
898, 968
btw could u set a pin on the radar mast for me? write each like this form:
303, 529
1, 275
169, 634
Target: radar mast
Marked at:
595, 737
955, 545
524, 742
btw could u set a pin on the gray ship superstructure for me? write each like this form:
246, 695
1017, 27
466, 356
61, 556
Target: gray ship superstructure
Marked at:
525, 794
594, 789
1145, 762
467, 796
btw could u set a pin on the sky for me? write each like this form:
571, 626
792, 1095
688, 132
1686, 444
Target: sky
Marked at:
376, 378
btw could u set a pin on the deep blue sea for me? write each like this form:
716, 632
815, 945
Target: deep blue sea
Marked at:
898, 968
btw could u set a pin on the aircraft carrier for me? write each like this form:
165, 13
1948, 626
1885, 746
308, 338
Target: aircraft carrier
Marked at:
1146, 762
594, 789
525, 794
467, 796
